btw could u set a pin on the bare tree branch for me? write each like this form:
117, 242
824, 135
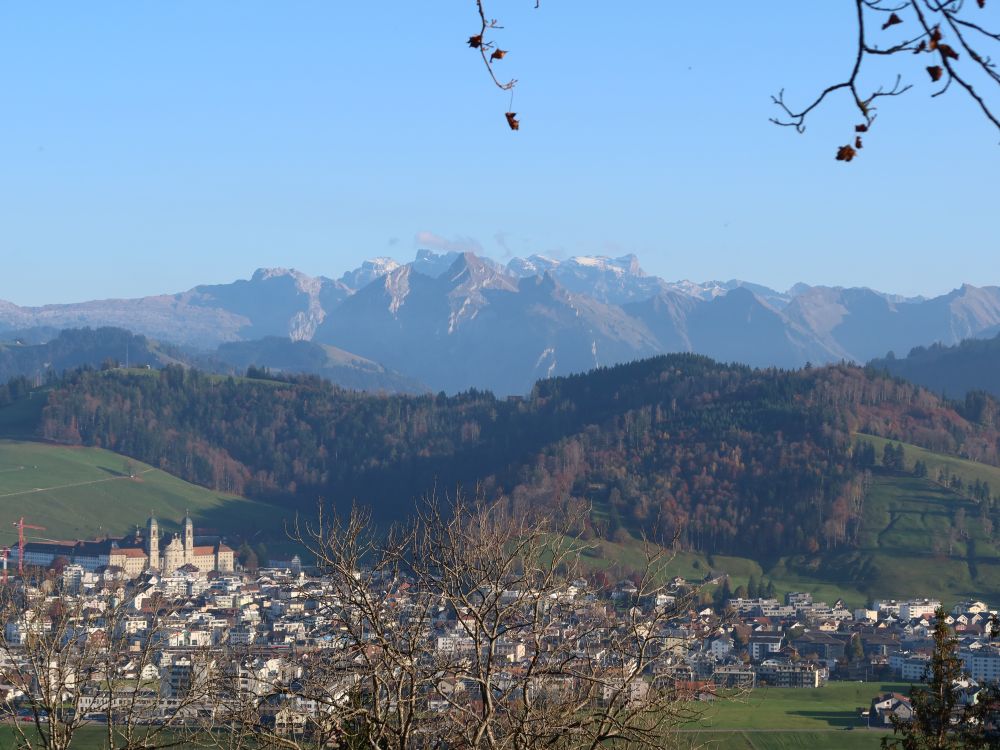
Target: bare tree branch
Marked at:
932, 18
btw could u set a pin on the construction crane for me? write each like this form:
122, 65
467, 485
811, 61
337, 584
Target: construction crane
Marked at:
21, 526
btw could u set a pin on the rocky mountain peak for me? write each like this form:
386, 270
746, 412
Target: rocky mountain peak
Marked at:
471, 269
533, 265
433, 264
368, 271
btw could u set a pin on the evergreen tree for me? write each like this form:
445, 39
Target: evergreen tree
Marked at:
857, 648
891, 457
752, 589
263, 558
939, 722
247, 557
723, 594
864, 455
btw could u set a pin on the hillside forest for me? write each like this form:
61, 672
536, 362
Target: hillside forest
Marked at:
725, 458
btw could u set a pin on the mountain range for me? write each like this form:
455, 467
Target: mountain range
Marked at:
452, 321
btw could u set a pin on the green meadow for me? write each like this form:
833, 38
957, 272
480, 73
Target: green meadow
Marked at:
827, 717
917, 538
78, 493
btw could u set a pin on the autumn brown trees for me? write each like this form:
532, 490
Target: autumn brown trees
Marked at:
733, 460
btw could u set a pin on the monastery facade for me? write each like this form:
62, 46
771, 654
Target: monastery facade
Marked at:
137, 554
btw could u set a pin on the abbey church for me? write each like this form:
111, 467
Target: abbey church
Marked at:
135, 554
179, 551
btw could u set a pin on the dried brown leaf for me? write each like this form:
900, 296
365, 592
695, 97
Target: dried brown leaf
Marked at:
935, 38
512, 120
862, 128
947, 51
935, 72
498, 54
893, 20
857, 142
476, 41
846, 153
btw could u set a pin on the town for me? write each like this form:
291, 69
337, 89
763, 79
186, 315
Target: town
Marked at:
194, 643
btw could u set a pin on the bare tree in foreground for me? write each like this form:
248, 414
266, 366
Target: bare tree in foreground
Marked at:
469, 627
75, 660
462, 630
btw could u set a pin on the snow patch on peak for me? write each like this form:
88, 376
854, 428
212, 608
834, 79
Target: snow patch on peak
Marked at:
705, 291
264, 274
533, 265
382, 263
625, 265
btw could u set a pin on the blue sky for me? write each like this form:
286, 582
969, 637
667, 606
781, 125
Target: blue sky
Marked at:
147, 147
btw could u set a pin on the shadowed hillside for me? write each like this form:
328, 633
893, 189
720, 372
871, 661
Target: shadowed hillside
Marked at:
973, 365
733, 460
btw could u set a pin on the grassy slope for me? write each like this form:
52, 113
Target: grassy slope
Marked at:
905, 519
904, 549
861, 739
785, 718
970, 471
79, 492
767, 720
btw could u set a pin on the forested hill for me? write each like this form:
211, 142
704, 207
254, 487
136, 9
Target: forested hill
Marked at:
742, 460
972, 365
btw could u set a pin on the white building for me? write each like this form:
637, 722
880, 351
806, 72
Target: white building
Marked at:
134, 554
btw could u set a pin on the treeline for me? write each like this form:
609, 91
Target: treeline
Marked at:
972, 365
724, 458
14, 390
75, 348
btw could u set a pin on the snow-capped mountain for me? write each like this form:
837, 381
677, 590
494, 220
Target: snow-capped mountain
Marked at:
458, 320
368, 271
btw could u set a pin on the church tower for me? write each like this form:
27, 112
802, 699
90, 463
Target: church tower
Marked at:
188, 538
153, 542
